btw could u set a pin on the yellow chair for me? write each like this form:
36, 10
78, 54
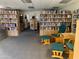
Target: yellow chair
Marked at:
45, 40
57, 50
57, 54
71, 54
58, 36
59, 39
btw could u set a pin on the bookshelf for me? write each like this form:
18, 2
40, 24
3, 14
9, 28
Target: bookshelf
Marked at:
22, 25
51, 20
33, 23
75, 17
9, 20
3, 34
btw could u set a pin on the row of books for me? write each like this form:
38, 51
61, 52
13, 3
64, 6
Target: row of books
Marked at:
53, 20
56, 11
8, 25
8, 21
57, 16
9, 29
76, 11
53, 28
8, 16
53, 24
8, 12
75, 18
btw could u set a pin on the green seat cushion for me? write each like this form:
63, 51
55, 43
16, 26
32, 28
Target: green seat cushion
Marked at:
45, 37
70, 45
55, 35
57, 46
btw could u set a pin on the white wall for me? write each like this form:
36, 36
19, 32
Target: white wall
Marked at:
32, 13
73, 6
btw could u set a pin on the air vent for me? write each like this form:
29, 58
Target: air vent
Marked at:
26, 1
31, 7
65, 1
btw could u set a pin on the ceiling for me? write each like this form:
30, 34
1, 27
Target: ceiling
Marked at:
37, 4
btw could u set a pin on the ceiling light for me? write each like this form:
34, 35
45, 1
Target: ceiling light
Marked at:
31, 7
65, 1
26, 1
2, 6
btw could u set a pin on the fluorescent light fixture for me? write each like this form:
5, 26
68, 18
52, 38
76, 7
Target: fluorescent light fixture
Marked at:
56, 1
31, 7
26, 1
2, 6
65, 1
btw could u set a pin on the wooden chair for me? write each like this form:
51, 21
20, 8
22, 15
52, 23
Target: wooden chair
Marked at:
57, 54
57, 50
45, 40
58, 36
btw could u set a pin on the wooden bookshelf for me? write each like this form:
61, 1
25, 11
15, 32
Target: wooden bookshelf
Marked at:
51, 20
3, 34
75, 17
9, 20
33, 24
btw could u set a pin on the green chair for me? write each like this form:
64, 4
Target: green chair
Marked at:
45, 39
70, 45
57, 50
62, 29
57, 46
